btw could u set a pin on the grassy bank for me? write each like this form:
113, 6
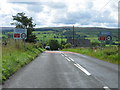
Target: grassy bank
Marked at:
109, 54
15, 55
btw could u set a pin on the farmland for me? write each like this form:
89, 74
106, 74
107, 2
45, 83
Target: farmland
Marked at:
61, 33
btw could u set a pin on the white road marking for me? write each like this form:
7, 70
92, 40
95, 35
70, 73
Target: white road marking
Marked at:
106, 88
81, 68
71, 59
65, 55
62, 55
77, 65
67, 59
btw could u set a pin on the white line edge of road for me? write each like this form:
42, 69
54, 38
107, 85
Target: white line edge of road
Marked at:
81, 68
106, 88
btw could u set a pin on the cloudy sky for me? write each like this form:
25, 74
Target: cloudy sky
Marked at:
49, 13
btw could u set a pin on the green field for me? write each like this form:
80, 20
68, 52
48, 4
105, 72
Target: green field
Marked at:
44, 36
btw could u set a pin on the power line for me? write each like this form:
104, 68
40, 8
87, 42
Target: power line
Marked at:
105, 5
99, 11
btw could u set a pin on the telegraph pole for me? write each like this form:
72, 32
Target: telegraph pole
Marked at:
73, 36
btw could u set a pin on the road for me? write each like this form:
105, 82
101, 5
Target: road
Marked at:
56, 69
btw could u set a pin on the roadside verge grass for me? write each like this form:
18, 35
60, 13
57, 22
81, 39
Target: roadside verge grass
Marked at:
15, 55
109, 54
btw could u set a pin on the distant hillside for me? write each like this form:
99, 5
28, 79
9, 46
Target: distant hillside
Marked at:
77, 29
82, 30
67, 32
7, 29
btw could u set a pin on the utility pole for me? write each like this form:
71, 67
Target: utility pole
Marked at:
73, 36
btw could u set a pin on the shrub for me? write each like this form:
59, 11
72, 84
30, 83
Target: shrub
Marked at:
54, 44
68, 45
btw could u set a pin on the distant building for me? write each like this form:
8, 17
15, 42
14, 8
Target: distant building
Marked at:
79, 42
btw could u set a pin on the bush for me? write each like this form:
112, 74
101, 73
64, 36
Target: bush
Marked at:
54, 44
68, 45
94, 44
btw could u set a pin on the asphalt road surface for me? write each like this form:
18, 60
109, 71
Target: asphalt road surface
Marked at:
56, 69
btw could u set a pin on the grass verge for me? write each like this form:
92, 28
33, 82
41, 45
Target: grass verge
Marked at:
109, 54
15, 55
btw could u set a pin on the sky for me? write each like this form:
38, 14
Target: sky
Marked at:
56, 13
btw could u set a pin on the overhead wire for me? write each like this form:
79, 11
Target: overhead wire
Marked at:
99, 11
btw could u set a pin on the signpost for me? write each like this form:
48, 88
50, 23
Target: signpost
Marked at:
20, 33
105, 37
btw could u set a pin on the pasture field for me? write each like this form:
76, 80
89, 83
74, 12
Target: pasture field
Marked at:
44, 36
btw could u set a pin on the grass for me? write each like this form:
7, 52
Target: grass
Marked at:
109, 54
15, 55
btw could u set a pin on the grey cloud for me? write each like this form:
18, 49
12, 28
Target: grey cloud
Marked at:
27, 3
76, 17
35, 8
56, 5
86, 18
112, 25
89, 5
104, 18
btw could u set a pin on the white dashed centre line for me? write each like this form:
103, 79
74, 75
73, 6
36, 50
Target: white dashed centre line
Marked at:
71, 59
106, 88
67, 59
77, 65
65, 55
81, 68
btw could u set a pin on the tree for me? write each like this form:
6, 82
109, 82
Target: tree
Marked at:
54, 44
24, 22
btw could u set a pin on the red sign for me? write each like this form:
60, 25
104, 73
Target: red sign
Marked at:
16, 35
102, 38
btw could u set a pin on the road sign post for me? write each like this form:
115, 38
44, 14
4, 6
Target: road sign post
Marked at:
105, 37
20, 34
